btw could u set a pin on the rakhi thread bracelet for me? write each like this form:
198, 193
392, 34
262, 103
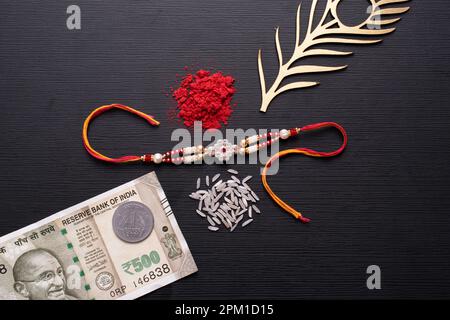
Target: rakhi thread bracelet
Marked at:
222, 150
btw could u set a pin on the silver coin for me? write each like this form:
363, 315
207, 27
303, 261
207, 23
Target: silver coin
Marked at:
132, 222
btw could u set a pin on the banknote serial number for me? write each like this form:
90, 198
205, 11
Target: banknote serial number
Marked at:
141, 263
152, 275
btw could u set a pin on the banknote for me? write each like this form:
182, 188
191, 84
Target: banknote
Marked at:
121, 244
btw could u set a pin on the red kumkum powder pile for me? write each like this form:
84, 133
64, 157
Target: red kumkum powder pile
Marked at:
205, 97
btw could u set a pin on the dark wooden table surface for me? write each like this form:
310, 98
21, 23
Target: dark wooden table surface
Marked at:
384, 202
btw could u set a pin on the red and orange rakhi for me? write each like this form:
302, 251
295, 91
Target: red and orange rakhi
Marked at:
222, 150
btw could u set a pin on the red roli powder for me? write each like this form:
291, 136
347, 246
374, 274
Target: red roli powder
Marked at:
205, 97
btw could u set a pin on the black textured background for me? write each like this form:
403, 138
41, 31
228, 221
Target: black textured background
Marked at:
384, 201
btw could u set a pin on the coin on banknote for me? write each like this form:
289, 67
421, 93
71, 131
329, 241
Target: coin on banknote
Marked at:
132, 222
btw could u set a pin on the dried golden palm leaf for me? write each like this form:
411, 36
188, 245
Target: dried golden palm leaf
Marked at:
326, 32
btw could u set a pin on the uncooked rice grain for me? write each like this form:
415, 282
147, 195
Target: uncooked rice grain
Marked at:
211, 222
226, 201
201, 214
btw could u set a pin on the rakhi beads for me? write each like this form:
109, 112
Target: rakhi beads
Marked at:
222, 150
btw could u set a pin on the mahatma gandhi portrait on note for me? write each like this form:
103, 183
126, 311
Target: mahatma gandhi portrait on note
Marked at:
38, 275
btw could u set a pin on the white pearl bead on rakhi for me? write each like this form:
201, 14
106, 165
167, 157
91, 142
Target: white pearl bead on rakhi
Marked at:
252, 148
177, 160
252, 139
209, 151
157, 158
188, 159
189, 150
222, 149
200, 149
284, 134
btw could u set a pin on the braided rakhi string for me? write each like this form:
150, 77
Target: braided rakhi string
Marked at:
307, 152
99, 111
